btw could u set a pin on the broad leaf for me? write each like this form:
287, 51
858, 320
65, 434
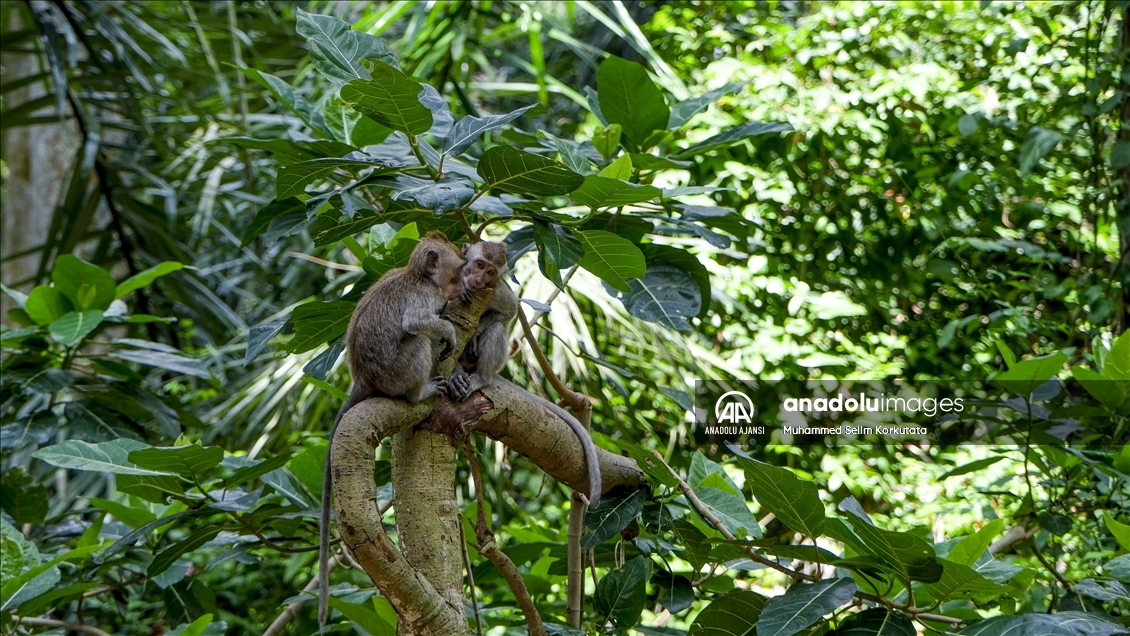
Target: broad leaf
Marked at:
1027, 375
602, 192
442, 119
71, 328
106, 457
629, 98
733, 136
316, 323
271, 212
731, 510
190, 461
557, 249
666, 295
613, 258
87, 286
908, 553
621, 596
795, 502
609, 518
146, 278
162, 560
802, 605
519, 172
362, 616
1040, 141
258, 337
682, 112
735, 614
877, 621
133, 516
337, 50
391, 98
468, 129
1058, 624
961, 581
258, 469
45, 305
447, 195
24, 500
164, 360
289, 97
292, 179
969, 550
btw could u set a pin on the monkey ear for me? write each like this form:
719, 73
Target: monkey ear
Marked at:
432, 260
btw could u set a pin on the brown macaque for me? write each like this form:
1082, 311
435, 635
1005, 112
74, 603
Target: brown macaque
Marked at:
390, 346
486, 352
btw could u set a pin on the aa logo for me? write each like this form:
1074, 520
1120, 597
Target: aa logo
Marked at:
734, 407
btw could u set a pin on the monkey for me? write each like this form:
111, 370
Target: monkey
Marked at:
487, 350
390, 347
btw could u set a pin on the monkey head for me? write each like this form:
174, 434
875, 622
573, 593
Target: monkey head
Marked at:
438, 259
485, 263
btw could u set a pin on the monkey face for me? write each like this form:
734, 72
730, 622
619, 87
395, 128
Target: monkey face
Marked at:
452, 285
479, 273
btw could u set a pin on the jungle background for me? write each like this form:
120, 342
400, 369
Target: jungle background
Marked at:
926, 191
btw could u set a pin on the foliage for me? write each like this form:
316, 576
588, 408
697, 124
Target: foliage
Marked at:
782, 191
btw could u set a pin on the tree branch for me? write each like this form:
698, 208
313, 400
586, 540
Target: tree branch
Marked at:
50, 622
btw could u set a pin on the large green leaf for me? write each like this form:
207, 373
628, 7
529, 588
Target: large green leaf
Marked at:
468, 129
146, 278
666, 295
877, 621
316, 323
795, 502
621, 595
45, 305
628, 97
961, 581
909, 554
363, 617
802, 605
337, 50
258, 469
1027, 375
23, 499
609, 518
391, 98
613, 258
731, 510
602, 192
969, 550
163, 359
733, 136
162, 560
191, 461
104, 457
1107, 392
558, 249
682, 112
735, 614
519, 172
292, 179
1058, 624
270, 212
134, 516
71, 328
87, 286
289, 97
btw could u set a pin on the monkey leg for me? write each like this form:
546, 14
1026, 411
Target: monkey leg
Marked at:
492, 348
410, 372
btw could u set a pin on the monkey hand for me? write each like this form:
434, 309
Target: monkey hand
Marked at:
465, 296
448, 349
458, 387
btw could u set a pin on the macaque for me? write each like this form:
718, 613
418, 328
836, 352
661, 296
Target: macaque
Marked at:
390, 347
486, 352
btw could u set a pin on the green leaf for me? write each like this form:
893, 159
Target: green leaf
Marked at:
362, 616
446, 195
468, 129
289, 97
1039, 143
675, 592
336, 50
87, 286
733, 136
390, 98
629, 98
258, 336
258, 469
1024, 377
130, 539
164, 360
684, 260
609, 518
731, 510
154, 489
519, 172
1121, 531
144, 279
292, 179
45, 305
1058, 624
1117, 363
613, 258
363, 220
605, 140
621, 596
1120, 154
350, 127
682, 112
167, 557
316, 323
802, 605
619, 169
558, 249
602, 192
195, 628
104, 457
910, 555
74, 326
795, 502
877, 621
39, 579
734, 614
272, 211
961, 581
666, 295
1107, 392
23, 499
133, 516
972, 466
970, 549
191, 461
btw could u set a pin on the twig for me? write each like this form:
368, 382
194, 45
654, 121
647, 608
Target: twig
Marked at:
324, 263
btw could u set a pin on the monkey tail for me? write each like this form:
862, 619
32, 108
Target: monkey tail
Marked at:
324, 529
587, 445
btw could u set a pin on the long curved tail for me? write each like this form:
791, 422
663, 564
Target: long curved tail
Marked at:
587, 445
